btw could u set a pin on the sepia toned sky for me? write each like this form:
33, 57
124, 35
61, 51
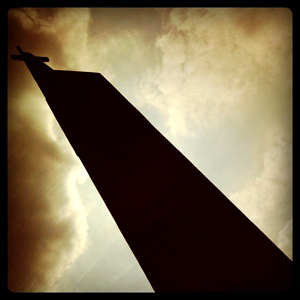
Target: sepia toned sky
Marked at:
216, 82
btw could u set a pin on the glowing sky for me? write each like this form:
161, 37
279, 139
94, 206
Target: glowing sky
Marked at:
216, 82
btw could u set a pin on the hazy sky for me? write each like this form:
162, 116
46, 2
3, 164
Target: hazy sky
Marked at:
216, 82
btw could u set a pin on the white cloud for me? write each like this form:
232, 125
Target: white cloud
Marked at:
231, 68
210, 70
284, 239
267, 200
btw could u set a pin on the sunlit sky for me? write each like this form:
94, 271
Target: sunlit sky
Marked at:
216, 82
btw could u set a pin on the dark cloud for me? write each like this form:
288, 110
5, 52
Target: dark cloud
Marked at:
25, 30
34, 174
46, 222
41, 239
252, 20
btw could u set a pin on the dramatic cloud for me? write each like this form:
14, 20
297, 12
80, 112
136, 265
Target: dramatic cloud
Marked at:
205, 74
229, 70
66, 29
46, 220
47, 227
212, 69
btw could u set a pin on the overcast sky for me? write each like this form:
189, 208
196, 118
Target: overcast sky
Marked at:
216, 82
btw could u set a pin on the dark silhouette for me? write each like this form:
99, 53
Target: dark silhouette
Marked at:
186, 235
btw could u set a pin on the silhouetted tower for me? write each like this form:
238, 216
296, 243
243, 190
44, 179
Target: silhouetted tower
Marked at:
185, 234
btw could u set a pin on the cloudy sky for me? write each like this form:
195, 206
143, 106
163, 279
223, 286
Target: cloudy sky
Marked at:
216, 82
